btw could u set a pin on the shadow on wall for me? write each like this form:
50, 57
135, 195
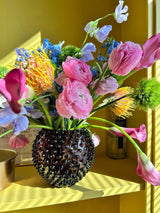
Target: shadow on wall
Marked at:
33, 42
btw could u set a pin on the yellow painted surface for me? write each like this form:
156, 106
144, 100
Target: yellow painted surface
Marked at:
30, 190
64, 20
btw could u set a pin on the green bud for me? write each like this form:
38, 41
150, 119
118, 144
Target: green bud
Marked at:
69, 51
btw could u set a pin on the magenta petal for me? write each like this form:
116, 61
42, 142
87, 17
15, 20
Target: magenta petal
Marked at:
15, 84
18, 141
137, 133
147, 171
151, 52
4, 91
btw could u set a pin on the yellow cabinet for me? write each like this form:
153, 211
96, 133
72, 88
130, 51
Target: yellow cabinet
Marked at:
112, 185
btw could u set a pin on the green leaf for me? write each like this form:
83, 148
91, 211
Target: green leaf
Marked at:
3, 71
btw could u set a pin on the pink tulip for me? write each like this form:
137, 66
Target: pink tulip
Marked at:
75, 100
96, 140
151, 52
147, 171
137, 133
105, 86
124, 58
77, 69
12, 88
18, 141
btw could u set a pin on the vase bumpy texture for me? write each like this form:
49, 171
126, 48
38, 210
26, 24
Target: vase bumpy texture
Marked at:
63, 158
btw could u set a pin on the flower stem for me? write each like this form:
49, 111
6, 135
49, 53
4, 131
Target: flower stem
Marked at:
37, 98
110, 102
102, 75
40, 126
110, 14
97, 99
119, 128
91, 125
85, 39
49, 120
5, 133
58, 122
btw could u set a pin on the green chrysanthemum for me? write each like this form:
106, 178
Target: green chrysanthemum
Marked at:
69, 51
147, 94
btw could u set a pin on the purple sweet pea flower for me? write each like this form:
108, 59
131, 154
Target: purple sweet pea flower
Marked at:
99, 33
8, 118
102, 33
91, 27
87, 52
147, 171
137, 133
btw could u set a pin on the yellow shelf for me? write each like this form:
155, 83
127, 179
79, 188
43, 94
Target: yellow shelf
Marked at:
30, 190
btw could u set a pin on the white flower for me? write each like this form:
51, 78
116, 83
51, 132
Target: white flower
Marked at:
121, 14
2, 100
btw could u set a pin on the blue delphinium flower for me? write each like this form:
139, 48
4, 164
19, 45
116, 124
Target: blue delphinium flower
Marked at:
101, 58
87, 52
22, 55
110, 46
18, 121
94, 71
52, 51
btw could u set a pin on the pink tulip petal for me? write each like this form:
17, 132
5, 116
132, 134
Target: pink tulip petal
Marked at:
124, 58
147, 171
18, 141
137, 133
151, 52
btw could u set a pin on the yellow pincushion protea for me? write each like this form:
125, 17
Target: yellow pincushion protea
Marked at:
123, 106
39, 71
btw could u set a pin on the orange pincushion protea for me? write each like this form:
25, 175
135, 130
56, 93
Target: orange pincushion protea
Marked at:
39, 72
123, 106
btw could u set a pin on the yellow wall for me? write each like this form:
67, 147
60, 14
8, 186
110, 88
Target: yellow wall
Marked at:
65, 20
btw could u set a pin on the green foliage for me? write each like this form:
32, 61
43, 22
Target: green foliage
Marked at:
147, 94
69, 50
3, 71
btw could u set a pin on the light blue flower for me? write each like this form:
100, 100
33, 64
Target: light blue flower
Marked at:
46, 44
99, 33
120, 14
87, 52
22, 54
102, 33
33, 112
91, 27
9, 118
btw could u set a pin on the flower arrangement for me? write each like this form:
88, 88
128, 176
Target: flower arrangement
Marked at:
52, 87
